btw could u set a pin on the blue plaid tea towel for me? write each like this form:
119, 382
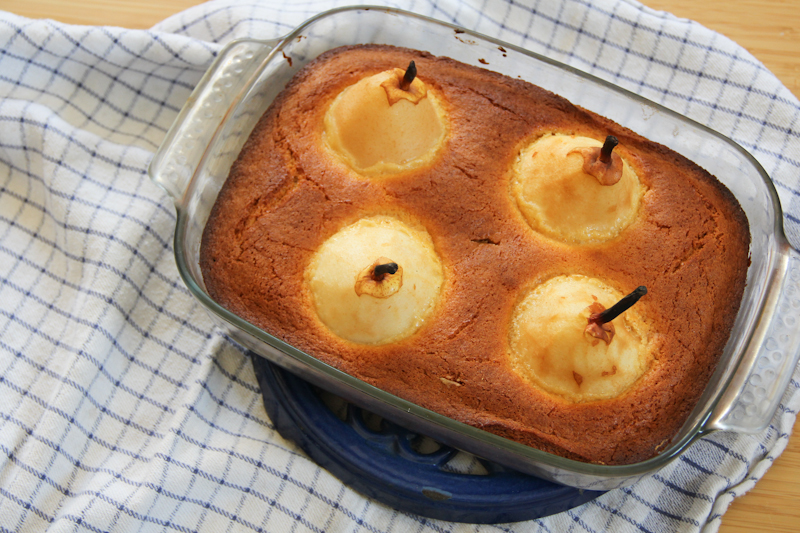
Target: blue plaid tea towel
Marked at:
123, 409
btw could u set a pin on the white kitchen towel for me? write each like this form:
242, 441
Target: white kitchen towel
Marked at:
122, 408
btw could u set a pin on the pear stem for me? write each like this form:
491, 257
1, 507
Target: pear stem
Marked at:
608, 146
411, 73
620, 307
381, 270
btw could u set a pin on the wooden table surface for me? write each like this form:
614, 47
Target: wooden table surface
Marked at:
769, 29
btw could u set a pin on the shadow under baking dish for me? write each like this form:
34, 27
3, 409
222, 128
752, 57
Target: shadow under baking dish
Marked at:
399, 467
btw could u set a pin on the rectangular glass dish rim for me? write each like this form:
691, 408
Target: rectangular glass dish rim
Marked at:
691, 434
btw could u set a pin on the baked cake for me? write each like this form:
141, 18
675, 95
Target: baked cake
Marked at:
451, 235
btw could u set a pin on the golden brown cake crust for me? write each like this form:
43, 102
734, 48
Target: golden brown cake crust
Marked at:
285, 196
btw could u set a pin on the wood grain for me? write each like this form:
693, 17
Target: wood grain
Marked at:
768, 29
133, 14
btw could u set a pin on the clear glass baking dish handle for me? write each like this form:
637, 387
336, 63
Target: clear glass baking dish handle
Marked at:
763, 376
176, 161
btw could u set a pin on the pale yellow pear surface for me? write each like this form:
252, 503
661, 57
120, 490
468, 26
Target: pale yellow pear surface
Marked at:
550, 348
336, 273
560, 200
377, 128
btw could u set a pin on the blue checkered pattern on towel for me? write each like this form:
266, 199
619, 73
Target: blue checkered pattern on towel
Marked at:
122, 409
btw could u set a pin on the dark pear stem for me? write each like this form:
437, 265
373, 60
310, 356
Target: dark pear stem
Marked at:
620, 307
381, 270
411, 73
608, 146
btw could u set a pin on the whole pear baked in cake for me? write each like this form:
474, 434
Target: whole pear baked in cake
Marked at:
552, 346
562, 195
375, 281
385, 123
483, 248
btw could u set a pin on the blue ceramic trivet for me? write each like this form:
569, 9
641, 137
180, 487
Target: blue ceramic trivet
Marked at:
385, 464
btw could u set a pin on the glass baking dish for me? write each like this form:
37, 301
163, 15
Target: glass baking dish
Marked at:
196, 155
